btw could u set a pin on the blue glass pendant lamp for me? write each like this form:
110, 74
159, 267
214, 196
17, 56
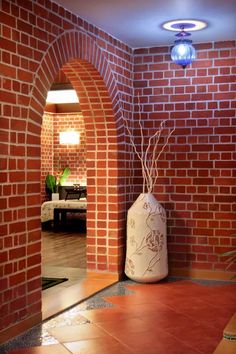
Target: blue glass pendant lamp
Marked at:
183, 53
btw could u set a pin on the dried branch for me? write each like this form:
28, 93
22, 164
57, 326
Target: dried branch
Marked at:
137, 153
149, 158
158, 156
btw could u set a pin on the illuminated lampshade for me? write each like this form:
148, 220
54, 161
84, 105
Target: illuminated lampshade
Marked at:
62, 96
69, 138
183, 53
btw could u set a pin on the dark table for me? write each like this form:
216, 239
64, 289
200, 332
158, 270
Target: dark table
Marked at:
60, 215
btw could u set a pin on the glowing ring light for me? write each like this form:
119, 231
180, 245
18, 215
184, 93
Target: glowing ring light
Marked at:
191, 25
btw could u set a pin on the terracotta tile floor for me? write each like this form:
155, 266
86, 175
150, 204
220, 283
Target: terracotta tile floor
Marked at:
175, 316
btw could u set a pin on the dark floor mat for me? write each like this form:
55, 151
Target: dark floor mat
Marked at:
49, 282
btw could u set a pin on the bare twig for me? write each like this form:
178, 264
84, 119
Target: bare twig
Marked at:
149, 158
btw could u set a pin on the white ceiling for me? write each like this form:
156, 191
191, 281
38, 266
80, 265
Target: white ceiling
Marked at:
138, 22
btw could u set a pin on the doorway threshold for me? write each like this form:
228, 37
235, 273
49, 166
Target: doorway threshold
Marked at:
62, 298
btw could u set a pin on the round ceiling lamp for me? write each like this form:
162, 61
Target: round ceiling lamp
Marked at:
194, 25
183, 53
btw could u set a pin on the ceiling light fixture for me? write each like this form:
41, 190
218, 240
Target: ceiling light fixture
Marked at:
69, 138
183, 53
195, 25
62, 96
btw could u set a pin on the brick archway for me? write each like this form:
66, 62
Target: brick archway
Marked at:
104, 211
89, 71
86, 67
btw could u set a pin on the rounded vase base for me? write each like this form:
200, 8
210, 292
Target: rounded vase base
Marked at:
141, 279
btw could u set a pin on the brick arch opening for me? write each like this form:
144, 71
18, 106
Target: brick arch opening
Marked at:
104, 210
92, 78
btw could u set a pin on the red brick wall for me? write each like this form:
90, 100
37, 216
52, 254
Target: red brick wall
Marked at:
73, 156
46, 151
197, 185
38, 39
197, 171
56, 157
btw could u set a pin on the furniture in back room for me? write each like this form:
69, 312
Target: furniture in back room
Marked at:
72, 192
57, 211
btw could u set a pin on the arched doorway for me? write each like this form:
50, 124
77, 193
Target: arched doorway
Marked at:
93, 80
63, 246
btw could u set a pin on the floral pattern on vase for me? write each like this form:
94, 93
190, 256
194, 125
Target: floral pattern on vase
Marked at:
146, 252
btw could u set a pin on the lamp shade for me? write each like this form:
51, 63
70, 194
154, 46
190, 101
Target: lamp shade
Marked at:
183, 53
69, 138
62, 96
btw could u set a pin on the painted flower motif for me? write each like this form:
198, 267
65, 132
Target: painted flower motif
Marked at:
154, 240
162, 214
132, 240
132, 223
146, 206
130, 266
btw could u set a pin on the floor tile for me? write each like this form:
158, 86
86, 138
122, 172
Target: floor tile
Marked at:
226, 347
75, 333
167, 320
202, 338
69, 318
155, 342
154, 312
210, 315
125, 301
106, 345
72, 295
230, 328
107, 314
173, 317
47, 349
128, 325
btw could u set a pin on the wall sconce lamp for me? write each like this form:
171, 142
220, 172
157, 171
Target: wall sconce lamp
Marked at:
69, 138
183, 53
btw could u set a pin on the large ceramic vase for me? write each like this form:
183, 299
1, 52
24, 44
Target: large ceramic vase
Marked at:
146, 248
